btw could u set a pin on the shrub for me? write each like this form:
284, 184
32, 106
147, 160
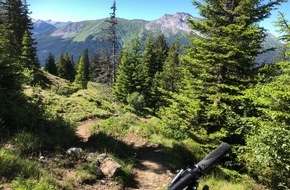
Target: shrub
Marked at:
268, 155
13, 166
137, 101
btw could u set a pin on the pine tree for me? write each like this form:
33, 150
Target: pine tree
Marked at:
87, 64
28, 55
220, 63
170, 75
95, 67
154, 57
12, 18
112, 38
18, 26
65, 67
10, 69
50, 65
284, 30
132, 74
80, 78
161, 49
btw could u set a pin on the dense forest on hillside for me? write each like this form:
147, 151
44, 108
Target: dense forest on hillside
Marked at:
184, 100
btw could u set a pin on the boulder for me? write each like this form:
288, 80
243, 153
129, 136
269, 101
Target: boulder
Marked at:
109, 167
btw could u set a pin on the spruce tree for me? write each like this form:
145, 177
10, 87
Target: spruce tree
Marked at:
155, 54
95, 67
220, 63
13, 19
18, 26
28, 55
161, 48
65, 67
284, 29
170, 75
87, 64
10, 69
80, 78
50, 65
70, 68
133, 73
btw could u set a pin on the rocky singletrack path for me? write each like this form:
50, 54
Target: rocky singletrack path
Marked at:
150, 171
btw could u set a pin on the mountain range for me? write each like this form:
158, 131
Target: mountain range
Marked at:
74, 37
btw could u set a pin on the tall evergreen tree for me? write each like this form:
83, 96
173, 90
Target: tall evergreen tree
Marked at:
112, 38
170, 75
80, 78
154, 57
9, 67
28, 55
87, 64
12, 14
133, 73
284, 30
95, 67
220, 63
50, 65
161, 48
18, 26
65, 67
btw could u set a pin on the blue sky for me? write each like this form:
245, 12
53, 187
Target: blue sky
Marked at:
79, 10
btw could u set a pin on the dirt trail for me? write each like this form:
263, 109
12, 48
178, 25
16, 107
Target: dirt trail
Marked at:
150, 172
84, 129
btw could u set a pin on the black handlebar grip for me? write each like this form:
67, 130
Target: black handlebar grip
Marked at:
191, 176
213, 157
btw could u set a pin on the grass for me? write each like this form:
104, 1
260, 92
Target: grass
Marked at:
218, 183
62, 106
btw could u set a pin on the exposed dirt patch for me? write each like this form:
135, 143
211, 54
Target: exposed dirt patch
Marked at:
84, 129
150, 171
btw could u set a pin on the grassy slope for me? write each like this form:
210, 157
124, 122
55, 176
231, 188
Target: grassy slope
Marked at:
60, 98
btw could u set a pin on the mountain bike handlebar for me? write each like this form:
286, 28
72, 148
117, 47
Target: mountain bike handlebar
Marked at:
189, 178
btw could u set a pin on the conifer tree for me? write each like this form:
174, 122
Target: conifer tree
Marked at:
65, 67
95, 67
18, 26
170, 75
112, 38
50, 65
80, 78
133, 73
28, 55
70, 68
220, 63
87, 64
154, 56
9, 68
12, 18
161, 49
284, 30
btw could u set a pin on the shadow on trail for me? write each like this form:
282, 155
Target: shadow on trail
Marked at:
166, 158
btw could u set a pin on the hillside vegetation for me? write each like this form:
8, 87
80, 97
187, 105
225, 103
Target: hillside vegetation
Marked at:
129, 121
110, 126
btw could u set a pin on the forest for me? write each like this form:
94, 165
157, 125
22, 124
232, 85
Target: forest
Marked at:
185, 99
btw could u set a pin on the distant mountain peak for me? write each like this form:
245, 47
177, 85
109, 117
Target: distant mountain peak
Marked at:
171, 23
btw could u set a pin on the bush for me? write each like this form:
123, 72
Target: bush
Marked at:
88, 172
268, 155
13, 166
26, 142
137, 101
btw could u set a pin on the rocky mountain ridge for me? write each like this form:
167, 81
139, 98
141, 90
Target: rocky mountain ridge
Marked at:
74, 37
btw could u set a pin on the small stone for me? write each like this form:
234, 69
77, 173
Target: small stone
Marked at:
109, 167
74, 150
101, 157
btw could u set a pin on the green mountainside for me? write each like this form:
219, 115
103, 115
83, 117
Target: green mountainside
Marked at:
74, 37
